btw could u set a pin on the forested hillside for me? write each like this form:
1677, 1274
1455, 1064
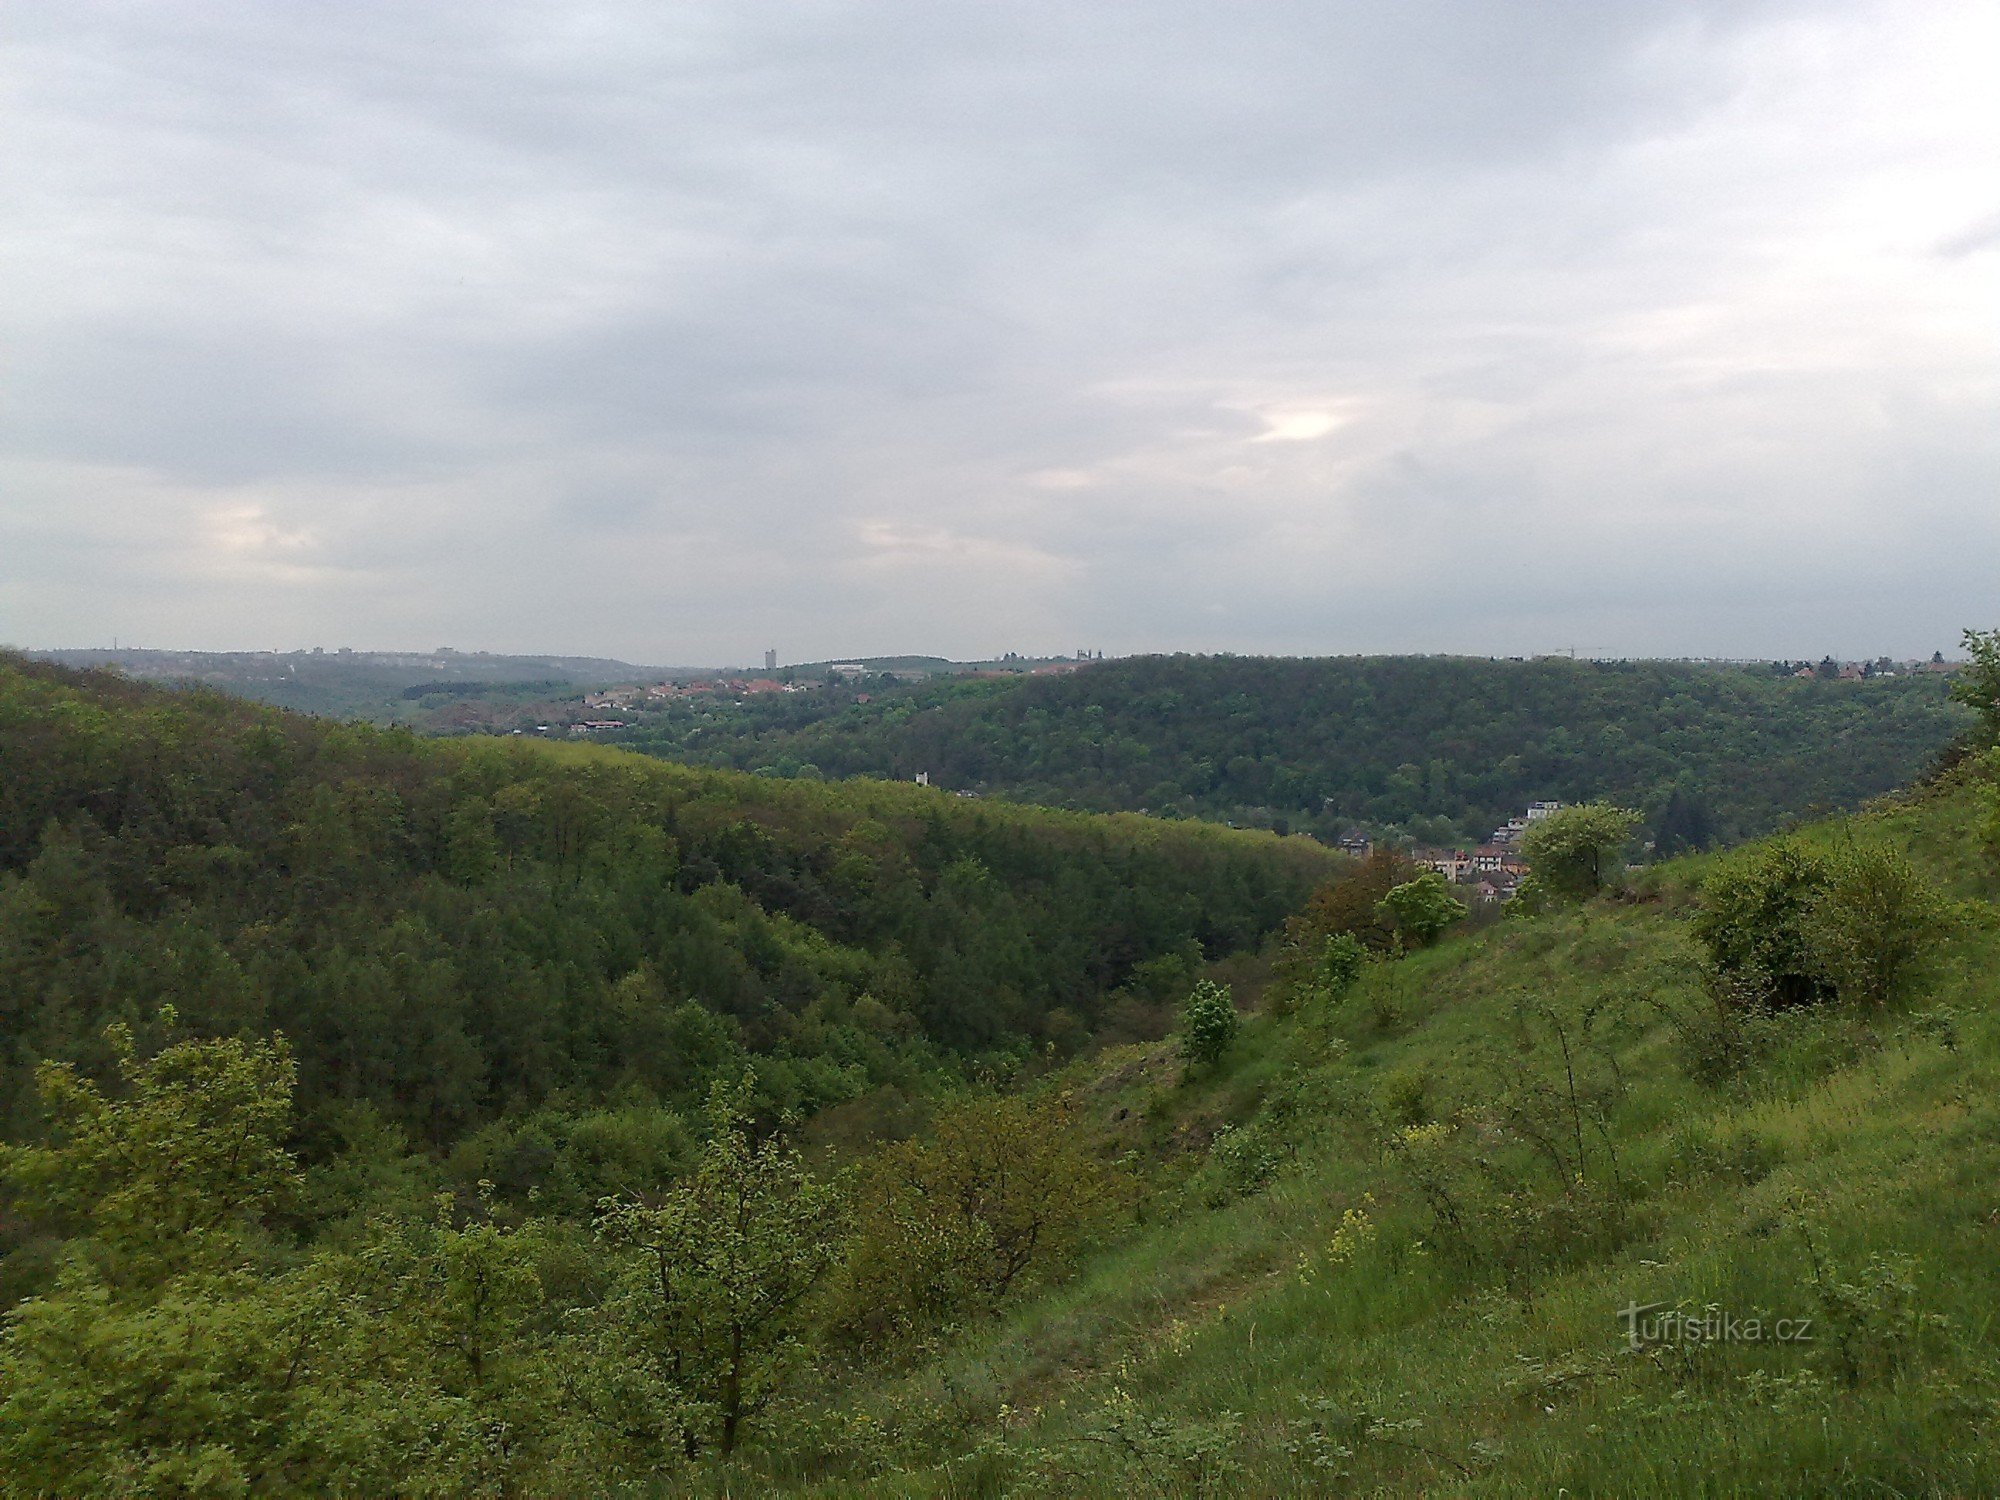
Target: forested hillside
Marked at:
1443, 748
390, 1116
1575, 1205
457, 932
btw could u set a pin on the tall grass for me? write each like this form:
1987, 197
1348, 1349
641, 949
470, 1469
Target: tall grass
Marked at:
1315, 1334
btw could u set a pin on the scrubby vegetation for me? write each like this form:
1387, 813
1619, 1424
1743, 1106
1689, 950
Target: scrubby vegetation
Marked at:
1677, 1184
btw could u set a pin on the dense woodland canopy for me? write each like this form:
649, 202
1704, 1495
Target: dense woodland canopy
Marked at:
458, 932
1443, 748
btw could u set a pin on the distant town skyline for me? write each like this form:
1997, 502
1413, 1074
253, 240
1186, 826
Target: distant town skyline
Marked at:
663, 334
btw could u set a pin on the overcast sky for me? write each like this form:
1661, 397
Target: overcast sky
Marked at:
677, 331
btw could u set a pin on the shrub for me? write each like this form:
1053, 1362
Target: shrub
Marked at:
1208, 1024
1575, 852
1422, 909
1006, 1190
1752, 921
1790, 926
1340, 965
1871, 926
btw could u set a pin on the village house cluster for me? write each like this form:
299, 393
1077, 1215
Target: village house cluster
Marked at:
1493, 870
1829, 670
631, 699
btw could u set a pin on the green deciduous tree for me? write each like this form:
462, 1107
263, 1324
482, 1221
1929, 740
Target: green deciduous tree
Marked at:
1352, 904
171, 1169
1422, 909
710, 1310
1977, 683
1577, 851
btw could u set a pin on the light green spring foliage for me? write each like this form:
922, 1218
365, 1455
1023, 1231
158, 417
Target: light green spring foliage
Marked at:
171, 1358
1423, 910
1875, 923
1577, 851
179, 1352
173, 1171
1550, 1159
1977, 683
707, 1317
1208, 1024
1560, 1162
1341, 961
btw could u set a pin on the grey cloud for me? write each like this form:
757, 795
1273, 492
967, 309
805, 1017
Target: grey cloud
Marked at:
962, 326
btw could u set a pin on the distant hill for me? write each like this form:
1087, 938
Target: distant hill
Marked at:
1440, 748
373, 685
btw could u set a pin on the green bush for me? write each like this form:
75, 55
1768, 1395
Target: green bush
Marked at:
1422, 909
1752, 920
1788, 925
1576, 852
1873, 925
1208, 1024
1340, 964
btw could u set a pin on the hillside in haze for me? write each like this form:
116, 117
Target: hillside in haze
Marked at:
1441, 748
373, 685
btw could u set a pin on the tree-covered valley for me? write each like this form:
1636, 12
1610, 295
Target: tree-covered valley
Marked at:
1441, 749
397, 1115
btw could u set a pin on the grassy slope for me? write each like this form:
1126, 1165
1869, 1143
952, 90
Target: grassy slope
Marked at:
1840, 1143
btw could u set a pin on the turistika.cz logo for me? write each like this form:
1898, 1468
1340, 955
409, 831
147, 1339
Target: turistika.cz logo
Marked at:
1654, 1323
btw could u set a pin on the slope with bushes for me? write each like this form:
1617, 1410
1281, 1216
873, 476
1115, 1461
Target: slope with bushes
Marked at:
1574, 1204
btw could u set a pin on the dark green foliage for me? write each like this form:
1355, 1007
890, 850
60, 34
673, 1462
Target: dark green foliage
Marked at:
1328, 743
1788, 924
1684, 825
1351, 903
1872, 927
1752, 920
221, 1303
461, 931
